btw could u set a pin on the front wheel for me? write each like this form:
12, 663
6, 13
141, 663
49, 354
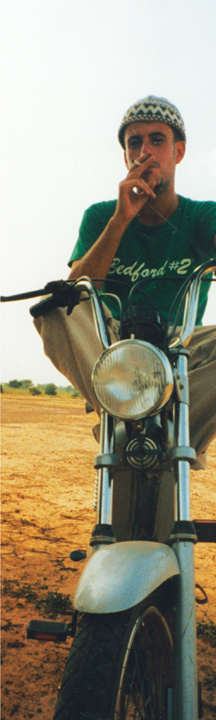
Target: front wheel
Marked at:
119, 668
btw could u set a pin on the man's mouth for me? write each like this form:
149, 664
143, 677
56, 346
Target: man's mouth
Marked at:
147, 172
150, 167
153, 165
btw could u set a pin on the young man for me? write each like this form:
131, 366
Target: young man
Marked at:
149, 232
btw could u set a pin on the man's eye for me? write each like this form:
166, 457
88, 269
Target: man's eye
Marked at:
133, 142
157, 140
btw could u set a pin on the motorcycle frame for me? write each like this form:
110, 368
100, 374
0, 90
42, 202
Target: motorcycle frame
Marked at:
185, 696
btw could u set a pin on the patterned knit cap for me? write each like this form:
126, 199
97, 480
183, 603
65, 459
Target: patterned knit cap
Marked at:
152, 109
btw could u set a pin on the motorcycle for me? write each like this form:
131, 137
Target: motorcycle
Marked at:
133, 653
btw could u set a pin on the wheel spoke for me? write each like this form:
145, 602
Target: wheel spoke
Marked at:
155, 672
131, 696
140, 658
136, 670
141, 680
143, 690
151, 689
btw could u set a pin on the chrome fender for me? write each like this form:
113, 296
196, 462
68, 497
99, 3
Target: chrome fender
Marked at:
121, 575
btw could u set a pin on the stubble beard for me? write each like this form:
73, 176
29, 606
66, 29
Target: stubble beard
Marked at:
161, 187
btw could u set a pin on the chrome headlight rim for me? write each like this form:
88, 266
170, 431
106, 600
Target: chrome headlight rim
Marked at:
168, 386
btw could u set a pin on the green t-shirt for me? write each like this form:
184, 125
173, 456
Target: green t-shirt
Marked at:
173, 250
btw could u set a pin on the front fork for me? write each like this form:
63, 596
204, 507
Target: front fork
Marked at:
104, 462
183, 538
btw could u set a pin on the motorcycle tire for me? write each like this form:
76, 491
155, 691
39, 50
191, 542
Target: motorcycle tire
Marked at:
120, 667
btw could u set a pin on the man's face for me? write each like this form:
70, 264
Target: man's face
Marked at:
154, 138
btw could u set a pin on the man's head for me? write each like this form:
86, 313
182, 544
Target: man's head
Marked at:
154, 127
153, 109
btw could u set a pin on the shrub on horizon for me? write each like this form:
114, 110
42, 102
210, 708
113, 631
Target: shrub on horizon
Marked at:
75, 393
15, 383
35, 391
27, 383
50, 389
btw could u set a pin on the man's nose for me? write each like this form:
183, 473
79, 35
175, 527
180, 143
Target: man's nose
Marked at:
145, 147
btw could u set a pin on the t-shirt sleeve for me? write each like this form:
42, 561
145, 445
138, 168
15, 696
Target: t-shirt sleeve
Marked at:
93, 223
206, 227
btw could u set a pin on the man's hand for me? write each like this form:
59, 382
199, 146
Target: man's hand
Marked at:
134, 192
138, 187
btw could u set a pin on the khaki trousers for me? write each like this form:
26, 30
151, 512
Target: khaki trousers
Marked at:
72, 345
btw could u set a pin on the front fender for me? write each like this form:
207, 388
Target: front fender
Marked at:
119, 576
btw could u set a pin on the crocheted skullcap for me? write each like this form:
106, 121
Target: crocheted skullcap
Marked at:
152, 109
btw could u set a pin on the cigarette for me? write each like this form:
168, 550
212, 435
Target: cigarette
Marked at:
137, 163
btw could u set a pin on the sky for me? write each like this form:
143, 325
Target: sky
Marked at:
69, 71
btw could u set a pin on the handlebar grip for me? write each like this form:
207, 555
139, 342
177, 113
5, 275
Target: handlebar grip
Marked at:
44, 306
59, 294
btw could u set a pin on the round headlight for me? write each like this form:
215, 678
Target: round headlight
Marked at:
132, 379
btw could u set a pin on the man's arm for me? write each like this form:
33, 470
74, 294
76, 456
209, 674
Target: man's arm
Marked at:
98, 260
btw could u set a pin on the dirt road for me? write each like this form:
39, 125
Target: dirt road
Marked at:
47, 511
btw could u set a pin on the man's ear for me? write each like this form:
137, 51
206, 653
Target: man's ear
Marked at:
180, 147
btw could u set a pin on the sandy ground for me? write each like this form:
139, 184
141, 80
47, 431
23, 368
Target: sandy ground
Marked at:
47, 511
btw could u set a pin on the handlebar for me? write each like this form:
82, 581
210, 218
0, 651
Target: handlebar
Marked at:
191, 303
85, 285
190, 306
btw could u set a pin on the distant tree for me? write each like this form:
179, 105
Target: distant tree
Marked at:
34, 391
75, 393
50, 389
27, 383
15, 383
1, 388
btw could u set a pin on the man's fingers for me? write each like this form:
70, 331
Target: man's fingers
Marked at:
141, 164
143, 193
143, 187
